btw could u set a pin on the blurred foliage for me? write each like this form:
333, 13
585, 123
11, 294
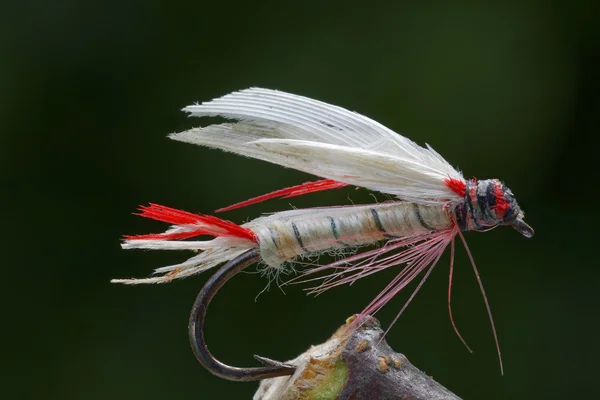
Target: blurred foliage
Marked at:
88, 91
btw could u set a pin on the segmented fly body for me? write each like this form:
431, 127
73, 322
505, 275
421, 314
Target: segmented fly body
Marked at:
434, 202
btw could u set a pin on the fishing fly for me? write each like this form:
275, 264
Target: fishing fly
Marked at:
434, 204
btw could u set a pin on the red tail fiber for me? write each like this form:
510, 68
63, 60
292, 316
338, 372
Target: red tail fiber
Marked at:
190, 225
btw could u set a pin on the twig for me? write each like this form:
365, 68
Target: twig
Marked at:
354, 364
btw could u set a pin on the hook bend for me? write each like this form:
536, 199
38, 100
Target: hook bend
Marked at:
196, 329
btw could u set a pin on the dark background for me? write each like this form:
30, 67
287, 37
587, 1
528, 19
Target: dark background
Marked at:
89, 90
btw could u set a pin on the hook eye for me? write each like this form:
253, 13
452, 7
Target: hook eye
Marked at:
522, 228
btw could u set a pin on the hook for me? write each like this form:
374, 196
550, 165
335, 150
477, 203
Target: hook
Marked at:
196, 329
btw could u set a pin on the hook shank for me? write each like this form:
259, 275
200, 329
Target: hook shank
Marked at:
196, 328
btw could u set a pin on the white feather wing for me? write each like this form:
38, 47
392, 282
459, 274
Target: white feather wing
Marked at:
323, 140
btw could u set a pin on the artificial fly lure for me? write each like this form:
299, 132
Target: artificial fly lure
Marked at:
434, 204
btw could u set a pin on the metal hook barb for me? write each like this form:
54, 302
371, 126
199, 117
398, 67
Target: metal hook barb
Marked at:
196, 329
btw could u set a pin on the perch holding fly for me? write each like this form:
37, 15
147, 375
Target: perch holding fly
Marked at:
434, 204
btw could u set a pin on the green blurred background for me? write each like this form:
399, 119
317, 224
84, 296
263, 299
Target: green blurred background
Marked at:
89, 90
